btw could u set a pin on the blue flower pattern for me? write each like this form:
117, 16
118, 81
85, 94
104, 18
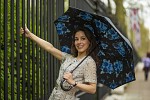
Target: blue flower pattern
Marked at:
118, 67
111, 34
102, 27
100, 53
119, 47
64, 18
65, 49
129, 77
104, 45
107, 67
61, 28
113, 84
111, 45
85, 16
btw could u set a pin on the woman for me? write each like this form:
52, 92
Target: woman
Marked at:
84, 77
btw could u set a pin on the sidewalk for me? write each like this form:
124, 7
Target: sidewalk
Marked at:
136, 90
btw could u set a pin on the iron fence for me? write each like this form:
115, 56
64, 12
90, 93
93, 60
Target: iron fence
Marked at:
27, 71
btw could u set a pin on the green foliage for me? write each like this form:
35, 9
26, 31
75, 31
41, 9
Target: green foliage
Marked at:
1, 51
66, 2
144, 32
120, 15
9, 50
21, 50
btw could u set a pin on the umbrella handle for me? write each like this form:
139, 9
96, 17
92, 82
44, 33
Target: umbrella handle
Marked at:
65, 89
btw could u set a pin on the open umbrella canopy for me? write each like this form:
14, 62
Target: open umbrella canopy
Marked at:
115, 57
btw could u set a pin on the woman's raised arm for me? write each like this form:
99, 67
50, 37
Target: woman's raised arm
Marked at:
42, 43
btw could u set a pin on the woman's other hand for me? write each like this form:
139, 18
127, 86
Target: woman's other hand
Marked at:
69, 78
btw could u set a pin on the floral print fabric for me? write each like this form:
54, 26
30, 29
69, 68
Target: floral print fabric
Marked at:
86, 72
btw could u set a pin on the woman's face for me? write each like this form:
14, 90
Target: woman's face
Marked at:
81, 42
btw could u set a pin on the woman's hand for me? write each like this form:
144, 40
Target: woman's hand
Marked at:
25, 31
69, 78
42, 43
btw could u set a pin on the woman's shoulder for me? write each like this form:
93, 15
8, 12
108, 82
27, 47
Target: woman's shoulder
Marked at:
67, 56
89, 58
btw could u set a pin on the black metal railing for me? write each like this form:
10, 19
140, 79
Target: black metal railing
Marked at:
27, 71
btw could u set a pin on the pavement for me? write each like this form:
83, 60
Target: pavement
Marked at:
136, 90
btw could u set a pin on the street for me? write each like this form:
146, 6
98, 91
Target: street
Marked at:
136, 90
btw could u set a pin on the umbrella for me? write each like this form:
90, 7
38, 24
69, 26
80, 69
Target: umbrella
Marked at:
116, 66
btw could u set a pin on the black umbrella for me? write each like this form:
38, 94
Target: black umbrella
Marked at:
116, 66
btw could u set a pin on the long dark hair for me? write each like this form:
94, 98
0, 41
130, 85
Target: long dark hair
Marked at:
91, 39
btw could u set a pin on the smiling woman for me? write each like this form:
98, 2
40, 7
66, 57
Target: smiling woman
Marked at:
84, 77
81, 43
82, 39
110, 44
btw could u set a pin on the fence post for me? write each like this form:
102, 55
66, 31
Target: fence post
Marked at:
5, 50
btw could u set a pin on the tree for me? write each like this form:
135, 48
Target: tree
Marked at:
120, 15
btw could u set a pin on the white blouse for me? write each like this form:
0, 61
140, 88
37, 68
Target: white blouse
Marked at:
85, 72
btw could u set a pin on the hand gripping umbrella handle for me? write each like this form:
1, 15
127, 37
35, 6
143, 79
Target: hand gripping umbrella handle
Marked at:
65, 89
